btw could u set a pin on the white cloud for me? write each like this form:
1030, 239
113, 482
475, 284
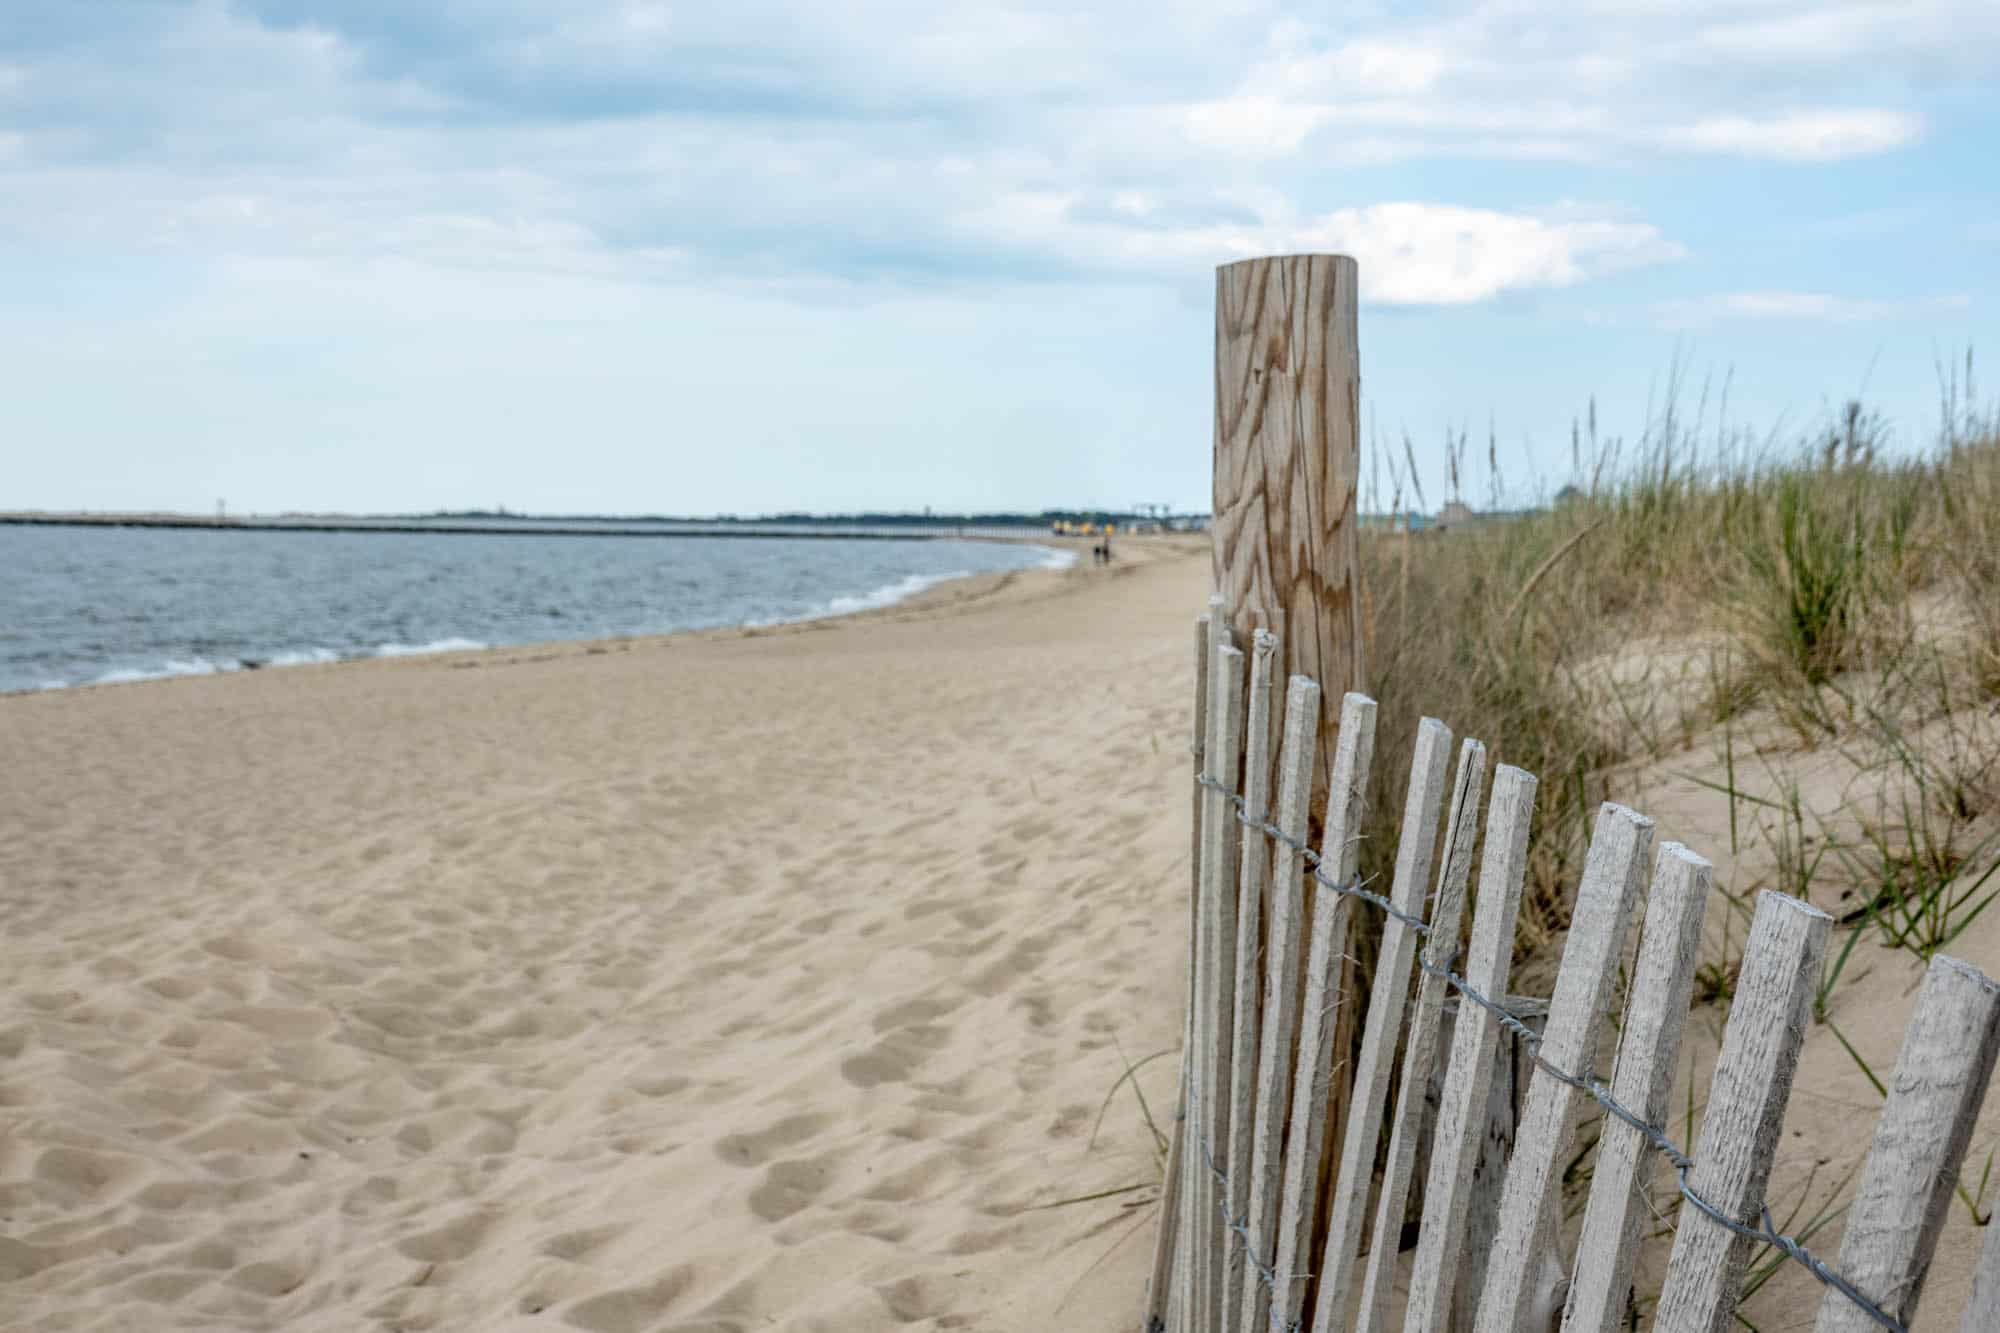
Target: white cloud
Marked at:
927, 141
1804, 136
1253, 123
1798, 307
1409, 253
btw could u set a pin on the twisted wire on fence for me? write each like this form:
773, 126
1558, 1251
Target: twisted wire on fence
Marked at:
1765, 1230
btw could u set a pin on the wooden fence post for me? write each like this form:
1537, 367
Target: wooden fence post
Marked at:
1167, 1241
1461, 833
1746, 1111
1285, 526
1415, 854
1216, 984
1247, 1011
1461, 1124
1287, 465
1655, 1014
1982, 1310
1282, 980
1612, 870
1305, 1141
1940, 1080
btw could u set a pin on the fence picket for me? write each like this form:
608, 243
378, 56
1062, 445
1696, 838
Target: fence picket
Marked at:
1282, 980
1160, 1303
1462, 1110
1746, 1110
1186, 1284
1305, 1143
1940, 1081
1982, 1310
1612, 873
1461, 831
1246, 1008
1224, 754
1655, 1016
1247, 1166
1429, 769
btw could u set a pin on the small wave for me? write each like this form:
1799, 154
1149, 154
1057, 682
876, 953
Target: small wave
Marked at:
1056, 559
434, 646
173, 666
302, 657
889, 594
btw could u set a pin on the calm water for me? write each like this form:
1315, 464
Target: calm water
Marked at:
99, 605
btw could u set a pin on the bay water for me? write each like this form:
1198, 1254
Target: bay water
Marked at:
97, 604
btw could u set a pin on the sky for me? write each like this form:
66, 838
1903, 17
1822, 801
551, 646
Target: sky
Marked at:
635, 256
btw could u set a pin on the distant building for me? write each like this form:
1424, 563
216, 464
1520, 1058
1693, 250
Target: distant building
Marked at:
1455, 513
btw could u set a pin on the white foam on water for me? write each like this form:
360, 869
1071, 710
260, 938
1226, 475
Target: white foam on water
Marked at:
434, 646
302, 657
173, 666
891, 593
1056, 559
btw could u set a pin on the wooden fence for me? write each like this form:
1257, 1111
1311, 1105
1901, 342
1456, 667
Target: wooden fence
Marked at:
1257, 1233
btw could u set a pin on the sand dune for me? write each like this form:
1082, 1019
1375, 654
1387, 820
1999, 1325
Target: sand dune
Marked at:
725, 981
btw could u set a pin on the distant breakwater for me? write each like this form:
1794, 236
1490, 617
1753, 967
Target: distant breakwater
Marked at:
449, 528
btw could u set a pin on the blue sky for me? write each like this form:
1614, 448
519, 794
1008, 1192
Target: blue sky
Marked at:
641, 255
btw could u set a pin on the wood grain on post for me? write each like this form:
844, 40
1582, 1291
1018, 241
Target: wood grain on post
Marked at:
1282, 979
1613, 870
1461, 832
1430, 768
1746, 1111
1906, 1186
1287, 464
1285, 526
1218, 964
1655, 1015
1461, 1122
1305, 1142
1247, 1007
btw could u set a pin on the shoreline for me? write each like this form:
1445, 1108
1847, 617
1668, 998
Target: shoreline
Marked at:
940, 590
736, 978
948, 595
774, 530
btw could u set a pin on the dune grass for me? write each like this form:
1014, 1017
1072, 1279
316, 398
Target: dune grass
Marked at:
1787, 580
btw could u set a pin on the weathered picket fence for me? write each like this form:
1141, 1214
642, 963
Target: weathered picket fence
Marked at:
1257, 1235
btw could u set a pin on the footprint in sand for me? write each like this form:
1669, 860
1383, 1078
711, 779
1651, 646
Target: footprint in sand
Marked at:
631, 1309
789, 1186
895, 1057
922, 1009
576, 1246
760, 1146
455, 1240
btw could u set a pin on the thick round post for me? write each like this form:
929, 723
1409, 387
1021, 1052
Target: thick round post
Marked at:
1287, 461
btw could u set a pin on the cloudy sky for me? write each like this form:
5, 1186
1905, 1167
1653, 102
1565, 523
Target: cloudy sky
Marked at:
646, 255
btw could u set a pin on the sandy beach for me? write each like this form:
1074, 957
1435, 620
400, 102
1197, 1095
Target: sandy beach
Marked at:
726, 981
746, 979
